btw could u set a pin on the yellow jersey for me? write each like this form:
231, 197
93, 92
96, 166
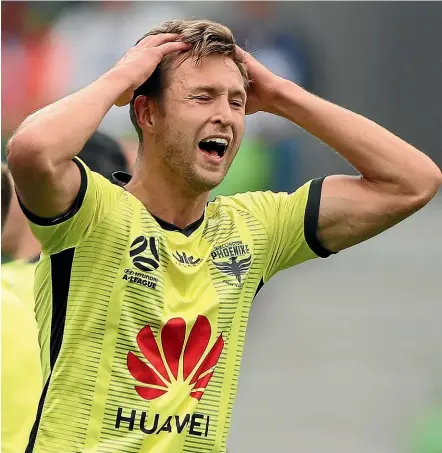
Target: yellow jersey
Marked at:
143, 324
21, 370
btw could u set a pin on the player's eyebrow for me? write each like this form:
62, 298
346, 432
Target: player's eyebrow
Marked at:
213, 90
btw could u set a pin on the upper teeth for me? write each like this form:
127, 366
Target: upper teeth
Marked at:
221, 141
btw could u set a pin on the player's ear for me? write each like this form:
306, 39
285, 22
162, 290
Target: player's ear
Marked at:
144, 108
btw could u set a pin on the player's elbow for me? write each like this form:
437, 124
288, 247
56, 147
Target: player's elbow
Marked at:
425, 187
24, 154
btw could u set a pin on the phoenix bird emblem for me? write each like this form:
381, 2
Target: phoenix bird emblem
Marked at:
234, 267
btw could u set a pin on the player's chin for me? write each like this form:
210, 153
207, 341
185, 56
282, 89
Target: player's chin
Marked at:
208, 179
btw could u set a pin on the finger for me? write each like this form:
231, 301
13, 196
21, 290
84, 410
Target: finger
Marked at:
171, 47
241, 52
157, 40
125, 98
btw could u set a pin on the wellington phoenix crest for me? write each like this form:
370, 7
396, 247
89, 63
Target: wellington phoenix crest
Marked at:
233, 259
190, 362
234, 267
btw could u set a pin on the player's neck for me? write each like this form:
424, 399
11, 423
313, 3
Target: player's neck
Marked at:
165, 198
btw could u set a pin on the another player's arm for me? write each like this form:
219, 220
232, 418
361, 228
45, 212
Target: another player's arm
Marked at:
395, 178
40, 152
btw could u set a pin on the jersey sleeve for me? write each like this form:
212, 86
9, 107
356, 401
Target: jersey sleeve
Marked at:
290, 221
94, 200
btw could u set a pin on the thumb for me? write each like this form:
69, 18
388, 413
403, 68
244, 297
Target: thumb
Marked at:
125, 98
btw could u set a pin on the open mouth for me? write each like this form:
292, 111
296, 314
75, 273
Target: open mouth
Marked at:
215, 147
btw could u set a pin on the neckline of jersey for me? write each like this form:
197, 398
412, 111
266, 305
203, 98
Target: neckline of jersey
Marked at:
121, 178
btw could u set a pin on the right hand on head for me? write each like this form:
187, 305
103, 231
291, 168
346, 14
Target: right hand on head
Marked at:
139, 62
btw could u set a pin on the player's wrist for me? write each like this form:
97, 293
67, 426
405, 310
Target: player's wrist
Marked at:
117, 82
287, 99
276, 94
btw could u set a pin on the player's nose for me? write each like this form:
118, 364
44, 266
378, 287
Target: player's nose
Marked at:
222, 112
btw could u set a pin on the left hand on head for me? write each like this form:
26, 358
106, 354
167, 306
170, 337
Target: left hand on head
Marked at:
263, 84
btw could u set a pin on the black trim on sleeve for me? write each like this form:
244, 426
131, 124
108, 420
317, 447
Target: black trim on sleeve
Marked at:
76, 205
61, 267
311, 219
260, 285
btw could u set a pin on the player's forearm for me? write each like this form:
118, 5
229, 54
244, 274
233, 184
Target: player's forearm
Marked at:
59, 131
380, 156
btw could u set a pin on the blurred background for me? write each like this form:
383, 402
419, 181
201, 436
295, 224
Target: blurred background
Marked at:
343, 354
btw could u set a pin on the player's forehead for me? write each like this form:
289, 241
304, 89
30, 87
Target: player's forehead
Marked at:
217, 71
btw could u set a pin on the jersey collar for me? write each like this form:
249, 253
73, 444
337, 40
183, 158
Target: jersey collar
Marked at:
121, 178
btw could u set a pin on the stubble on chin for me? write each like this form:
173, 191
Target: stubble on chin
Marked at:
198, 180
186, 171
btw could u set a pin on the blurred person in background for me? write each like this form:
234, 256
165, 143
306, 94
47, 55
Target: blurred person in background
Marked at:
153, 285
21, 367
21, 370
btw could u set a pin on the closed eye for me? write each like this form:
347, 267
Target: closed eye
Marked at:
237, 103
202, 98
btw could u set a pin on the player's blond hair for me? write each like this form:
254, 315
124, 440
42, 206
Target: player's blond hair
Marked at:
207, 37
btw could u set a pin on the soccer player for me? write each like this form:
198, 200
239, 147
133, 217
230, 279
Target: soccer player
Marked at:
143, 288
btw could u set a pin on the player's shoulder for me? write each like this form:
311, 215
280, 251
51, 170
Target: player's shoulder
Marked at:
109, 188
246, 200
241, 201
264, 205
259, 205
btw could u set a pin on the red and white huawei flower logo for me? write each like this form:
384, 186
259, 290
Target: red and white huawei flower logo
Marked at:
181, 360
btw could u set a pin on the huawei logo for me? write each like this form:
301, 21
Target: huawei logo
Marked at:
181, 363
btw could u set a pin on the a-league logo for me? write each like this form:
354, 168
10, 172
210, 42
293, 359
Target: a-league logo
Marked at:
138, 246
